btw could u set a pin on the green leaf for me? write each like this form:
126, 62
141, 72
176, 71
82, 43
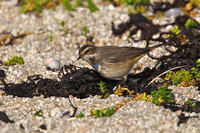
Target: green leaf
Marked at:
14, 60
106, 112
92, 7
193, 105
162, 94
80, 115
102, 87
198, 63
68, 5
190, 24
38, 113
78, 2
85, 31
51, 38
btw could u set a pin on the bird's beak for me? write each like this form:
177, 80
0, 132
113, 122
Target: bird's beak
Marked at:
79, 57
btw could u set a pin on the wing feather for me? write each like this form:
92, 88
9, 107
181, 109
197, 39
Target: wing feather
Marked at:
114, 54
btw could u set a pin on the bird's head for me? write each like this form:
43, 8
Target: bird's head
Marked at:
87, 53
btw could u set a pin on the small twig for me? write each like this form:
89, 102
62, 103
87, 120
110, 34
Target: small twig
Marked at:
170, 70
75, 108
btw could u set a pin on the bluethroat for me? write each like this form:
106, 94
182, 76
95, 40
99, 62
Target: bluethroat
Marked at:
112, 62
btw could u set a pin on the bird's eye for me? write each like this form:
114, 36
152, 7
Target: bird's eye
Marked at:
87, 51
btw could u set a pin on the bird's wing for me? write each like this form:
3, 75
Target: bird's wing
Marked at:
115, 55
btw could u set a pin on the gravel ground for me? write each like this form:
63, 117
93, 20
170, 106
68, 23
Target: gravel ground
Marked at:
35, 48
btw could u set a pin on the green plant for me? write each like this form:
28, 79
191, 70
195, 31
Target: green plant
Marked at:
53, 8
175, 31
92, 7
62, 23
33, 5
142, 96
169, 75
78, 2
189, 102
106, 112
163, 94
135, 2
23, 9
85, 31
196, 72
14, 60
67, 5
138, 5
39, 4
51, 38
190, 24
179, 76
103, 89
198, 63
80, 115
38, 113
185, 77
63, 28
140, 9
195, 2
120, 90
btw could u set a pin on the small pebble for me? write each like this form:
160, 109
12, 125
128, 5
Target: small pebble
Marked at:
56, 113
43, 126
193, 114
174, 12
53, 64
4, 117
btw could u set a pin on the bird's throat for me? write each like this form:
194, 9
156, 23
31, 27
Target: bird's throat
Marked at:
95, 66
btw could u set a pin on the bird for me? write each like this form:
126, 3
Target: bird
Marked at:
113, 62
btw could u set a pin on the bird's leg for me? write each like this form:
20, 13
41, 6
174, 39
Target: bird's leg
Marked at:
120, 82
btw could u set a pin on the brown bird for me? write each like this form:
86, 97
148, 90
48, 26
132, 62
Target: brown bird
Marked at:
112, 62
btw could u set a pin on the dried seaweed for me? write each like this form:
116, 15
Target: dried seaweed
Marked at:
7, 38
163, 6
147, 27
80, 82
